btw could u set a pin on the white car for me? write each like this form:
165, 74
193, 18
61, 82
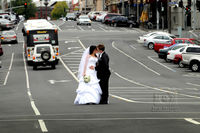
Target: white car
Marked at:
84, 19
176, 50
158, 38
44, 55
142, 38
191, 57
101, 16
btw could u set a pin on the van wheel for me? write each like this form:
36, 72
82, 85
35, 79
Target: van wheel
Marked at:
194, 66
150, 45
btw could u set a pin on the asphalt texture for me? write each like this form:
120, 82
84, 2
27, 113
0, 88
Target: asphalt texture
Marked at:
147, 94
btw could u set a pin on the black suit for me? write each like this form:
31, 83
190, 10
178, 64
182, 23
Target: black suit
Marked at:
103, 73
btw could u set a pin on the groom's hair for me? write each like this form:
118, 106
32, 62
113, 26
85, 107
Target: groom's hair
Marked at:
101, 47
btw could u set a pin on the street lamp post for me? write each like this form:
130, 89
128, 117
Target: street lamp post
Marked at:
46, 3
41, 9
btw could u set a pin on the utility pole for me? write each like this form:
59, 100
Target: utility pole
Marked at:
157, 14
138, 14
194, 14
169, 15
123, 7
85, 6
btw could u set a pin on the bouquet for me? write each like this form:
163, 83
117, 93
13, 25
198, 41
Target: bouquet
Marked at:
86, 79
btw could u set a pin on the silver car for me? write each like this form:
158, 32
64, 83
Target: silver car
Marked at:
8, 36
6, 24
83, 19
158, 38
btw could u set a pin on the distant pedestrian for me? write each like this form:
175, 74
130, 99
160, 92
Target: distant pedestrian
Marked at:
103, 73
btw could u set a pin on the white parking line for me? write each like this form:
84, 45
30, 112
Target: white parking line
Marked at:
161, 64
80, 28
193, 84
132, 47
10, 67
135, 60
192, 121
35, 109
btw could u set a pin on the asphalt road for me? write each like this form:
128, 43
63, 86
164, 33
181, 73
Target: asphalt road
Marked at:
147, 95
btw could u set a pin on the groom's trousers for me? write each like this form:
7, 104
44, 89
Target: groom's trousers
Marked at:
104, 87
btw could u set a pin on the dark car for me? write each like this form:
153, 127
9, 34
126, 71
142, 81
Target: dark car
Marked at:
163, 52
123, 21
108, 17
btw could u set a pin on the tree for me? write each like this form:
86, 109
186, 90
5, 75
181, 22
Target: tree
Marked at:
59, 10
28, 12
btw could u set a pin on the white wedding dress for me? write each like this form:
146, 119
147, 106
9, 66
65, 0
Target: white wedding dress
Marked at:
89, 92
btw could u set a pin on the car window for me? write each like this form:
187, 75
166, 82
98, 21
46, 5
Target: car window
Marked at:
43, 48
178, 41
181, 50
177, 47
186, 41
166, 38
193, 50
158, 37
196, 42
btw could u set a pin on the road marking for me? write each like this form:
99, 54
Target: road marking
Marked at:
132, 47
103, 29
121, 98
135, 60
193, 84
70, 41
80, 28
42, 126
66, 67
61, 24
58, 81
57, 26
35, 109
127, 87
192, 121
10, 67
162, 64
81, 44
140, 84
17, 26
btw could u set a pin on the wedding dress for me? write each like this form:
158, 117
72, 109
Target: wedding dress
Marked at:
88, 92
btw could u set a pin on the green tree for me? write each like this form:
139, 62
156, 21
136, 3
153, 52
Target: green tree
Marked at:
60, 9
28, 12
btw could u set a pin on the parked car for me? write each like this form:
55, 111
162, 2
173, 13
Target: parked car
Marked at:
176, 50
191, 57
8, 36
70, 16
44, 55
123, 21
158, 46
108, 16
6, 24
101, 16
163, 52
144, 37
83, 19
157, 38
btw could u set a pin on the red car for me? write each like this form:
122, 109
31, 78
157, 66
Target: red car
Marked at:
177, 58
158, 46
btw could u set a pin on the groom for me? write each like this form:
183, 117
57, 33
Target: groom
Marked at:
103, 73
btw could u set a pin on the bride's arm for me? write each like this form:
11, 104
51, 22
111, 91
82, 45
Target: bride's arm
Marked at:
85, 66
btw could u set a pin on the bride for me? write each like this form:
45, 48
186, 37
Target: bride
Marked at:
88, 92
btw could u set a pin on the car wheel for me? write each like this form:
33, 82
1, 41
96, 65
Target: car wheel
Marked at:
34, 67
181, 65
168, 60
150, 46
194, 66
115, 24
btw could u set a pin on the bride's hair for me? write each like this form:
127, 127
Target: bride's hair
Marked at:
92, 48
